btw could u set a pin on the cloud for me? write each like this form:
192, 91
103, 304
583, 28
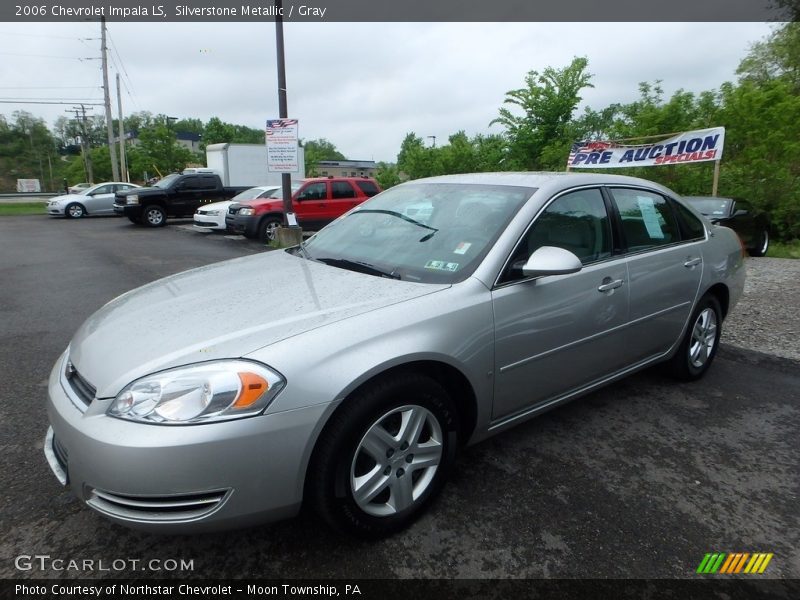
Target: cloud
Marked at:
362, 86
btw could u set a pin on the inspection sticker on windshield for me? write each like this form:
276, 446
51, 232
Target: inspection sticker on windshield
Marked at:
440, 265
462, 248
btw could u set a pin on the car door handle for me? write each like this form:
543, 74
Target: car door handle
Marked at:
692, 262
609, 285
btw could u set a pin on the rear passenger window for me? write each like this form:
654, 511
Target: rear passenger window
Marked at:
342, 189
368, 187
691, 227
647, 219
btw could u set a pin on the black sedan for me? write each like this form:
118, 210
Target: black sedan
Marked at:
751, 224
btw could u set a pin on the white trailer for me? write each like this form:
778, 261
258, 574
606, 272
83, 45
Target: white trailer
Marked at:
246, 164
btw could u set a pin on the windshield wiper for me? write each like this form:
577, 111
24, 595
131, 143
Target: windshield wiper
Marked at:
394, 213
358, 267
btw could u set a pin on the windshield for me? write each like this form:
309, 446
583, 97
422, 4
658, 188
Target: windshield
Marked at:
167, 181
278, 191
249, 194
426, 232
711, 207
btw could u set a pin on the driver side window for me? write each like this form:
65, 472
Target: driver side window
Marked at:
577, 221
314, 191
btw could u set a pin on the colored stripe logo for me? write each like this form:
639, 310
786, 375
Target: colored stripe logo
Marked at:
734, 562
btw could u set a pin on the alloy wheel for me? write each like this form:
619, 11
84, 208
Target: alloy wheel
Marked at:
396, 460
704, 336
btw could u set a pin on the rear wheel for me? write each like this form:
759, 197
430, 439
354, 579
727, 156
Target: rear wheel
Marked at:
384, 456
763, 245
700, 343
154, 216
74, 211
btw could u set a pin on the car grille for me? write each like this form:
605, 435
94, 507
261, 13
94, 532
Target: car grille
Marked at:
178, 508
82, 389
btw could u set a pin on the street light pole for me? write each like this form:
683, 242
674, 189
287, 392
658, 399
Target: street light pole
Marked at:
289, 219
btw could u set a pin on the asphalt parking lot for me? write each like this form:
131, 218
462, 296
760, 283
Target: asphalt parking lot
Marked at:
639, 480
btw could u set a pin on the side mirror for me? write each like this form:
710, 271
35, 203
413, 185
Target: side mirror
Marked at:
549, 260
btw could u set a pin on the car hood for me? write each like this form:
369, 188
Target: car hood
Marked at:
225, 310
217, 205
67, 198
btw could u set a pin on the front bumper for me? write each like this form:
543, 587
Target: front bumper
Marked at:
246, 225
55, 210
206, 222
129, 210
179, 478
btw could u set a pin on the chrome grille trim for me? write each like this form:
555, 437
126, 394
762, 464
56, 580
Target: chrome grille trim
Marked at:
162, 509
81, 392
58, 467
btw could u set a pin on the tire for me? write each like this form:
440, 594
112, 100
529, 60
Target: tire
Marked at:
74, 211
154, 216
763, 245
370, 475
700, 342
268, 227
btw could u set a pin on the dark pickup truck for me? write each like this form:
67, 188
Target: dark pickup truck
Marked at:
174, 196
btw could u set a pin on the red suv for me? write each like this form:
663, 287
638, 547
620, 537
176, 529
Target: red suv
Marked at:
316, 203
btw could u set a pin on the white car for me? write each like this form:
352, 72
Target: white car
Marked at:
96, 200
79, 187
210, 217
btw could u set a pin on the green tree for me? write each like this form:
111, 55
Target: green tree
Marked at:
317, 150
547, 103
387, 175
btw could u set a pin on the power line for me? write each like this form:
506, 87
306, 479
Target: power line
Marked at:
43, 102
80, 58
49, 87
50, 37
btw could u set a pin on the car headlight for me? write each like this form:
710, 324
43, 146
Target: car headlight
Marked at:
132, 199
246, 212
212, 213
202, 393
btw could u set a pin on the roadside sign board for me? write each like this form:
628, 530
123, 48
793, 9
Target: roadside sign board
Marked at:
282, 155
28, 185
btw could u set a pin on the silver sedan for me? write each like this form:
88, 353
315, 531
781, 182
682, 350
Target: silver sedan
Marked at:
96, 200
347, 372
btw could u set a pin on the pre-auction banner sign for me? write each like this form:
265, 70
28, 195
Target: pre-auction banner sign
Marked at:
689, 147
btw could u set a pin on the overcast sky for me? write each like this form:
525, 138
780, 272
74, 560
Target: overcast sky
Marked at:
362, 86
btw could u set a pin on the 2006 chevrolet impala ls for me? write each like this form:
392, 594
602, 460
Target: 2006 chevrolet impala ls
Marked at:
346, 372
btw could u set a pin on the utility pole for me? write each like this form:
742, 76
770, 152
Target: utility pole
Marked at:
107, 100
295, 234
80, 116
122, 162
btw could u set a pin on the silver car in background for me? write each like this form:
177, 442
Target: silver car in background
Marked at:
346, 372
94, 201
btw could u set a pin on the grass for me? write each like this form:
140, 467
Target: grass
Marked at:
22, 208
789, 249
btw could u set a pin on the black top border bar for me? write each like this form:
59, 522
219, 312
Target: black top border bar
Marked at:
339, 11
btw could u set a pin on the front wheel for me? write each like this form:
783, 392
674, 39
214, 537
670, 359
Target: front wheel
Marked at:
700, 342
762, 247
268, 229
74, 211
384, 456
154, 216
